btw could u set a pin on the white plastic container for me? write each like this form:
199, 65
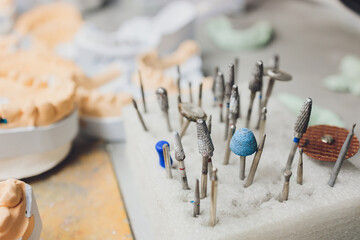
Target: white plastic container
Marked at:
30, 151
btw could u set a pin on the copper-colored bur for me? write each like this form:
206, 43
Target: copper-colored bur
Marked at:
323, 142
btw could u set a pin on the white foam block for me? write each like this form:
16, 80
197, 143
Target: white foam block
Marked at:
313, 211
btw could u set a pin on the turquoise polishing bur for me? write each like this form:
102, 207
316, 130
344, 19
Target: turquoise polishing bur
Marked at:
243, 143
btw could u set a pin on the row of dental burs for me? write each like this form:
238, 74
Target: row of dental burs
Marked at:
242, 142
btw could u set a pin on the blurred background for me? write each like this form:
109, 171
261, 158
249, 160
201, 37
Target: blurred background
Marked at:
318, 42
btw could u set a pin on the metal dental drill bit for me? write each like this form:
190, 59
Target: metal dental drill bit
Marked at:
213, 85
142, 92
192, 113
255, 85
200, 95
206, 149
219, 92
274, 74
190, 93
299, 176
234, 106
214, 189
236, 78
166, 152
300, 127
181, 118
227, 150
162, 97
196, 210
210, 164
178, 81
255, 162
236, 81
180, 156
228, 87
139, 115
262, 122
260, 105
341, 157
209, 124
287, 175
179, 91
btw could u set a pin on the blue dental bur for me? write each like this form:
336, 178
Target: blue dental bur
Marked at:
243, 143
159, 149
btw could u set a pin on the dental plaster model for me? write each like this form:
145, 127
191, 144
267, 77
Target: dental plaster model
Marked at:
19, 215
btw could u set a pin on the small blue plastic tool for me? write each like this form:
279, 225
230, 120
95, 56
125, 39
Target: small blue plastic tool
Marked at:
159, 149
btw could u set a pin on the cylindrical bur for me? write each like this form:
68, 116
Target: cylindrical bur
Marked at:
255, 85
214, 189
228, 89
220, 93
341, 158
180, 156
166, 152
299, 177
206, 149
300, 127
162, 97
287, 175
196, 210
234, 106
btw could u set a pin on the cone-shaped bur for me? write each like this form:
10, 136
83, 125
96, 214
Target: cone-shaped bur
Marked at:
205, 144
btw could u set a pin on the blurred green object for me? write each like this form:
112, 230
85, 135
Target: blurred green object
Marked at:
348, 80
319, 115
225, 37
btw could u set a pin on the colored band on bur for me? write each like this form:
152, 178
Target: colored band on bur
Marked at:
296, 140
